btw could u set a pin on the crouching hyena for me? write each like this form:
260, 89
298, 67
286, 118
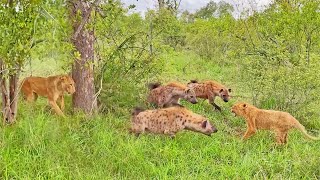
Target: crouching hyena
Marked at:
169, 121
209, 90
170, 94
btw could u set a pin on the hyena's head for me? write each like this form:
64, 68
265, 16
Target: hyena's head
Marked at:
190, 96
239, 109
224, 94
201, 124
207, 128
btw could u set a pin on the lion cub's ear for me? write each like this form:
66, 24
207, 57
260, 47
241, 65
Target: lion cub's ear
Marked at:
63, 78
229, 90
244, 105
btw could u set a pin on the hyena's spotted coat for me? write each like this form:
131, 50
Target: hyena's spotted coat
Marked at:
170, 94
209, 90
169, 121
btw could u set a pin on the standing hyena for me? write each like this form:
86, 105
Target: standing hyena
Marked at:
209, 90
170, 94
169, 121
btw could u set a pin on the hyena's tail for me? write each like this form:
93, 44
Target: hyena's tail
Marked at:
136, 111
304, 131
153, 85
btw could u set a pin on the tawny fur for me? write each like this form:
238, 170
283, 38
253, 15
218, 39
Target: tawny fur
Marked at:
52, 87
170, 94
277, 121
169, 121
177, 85
210, 90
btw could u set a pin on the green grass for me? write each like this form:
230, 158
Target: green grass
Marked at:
41, 145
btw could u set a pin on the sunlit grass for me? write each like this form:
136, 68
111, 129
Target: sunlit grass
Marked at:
43, 146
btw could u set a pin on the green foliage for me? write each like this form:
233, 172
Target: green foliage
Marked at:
53, 32
42, 145
17, 31
213, 9
212, 39
33, 29
269, 59
126, 61
280, 63
166, 29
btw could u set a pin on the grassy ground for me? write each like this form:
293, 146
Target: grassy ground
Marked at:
41, 145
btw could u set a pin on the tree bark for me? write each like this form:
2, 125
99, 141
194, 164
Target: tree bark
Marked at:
9, 92
82, 70
13, 87
161, 4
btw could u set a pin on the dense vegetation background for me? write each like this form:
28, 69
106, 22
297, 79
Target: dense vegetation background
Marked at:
269, 58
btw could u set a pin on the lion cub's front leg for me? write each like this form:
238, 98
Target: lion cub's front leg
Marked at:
56, 108
251, 129
248, 134
61, 100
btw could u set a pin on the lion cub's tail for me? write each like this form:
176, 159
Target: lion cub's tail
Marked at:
304, 131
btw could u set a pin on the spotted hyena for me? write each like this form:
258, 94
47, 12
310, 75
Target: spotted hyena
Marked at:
169, 121
209, 90
170, 94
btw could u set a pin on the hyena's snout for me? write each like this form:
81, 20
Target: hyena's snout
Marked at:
211, 129
214, 130
194, 101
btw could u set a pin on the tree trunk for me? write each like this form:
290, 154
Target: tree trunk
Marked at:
82, 70
151, 36
9, 93
13, 84
161, 4
5, 99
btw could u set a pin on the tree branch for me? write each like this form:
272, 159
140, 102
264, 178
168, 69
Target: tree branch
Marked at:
85, 19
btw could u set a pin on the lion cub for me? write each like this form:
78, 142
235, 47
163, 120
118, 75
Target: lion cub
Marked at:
169, 121
52, 87
277, 121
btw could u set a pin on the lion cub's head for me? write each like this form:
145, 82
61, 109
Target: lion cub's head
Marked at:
67, 84
239, 109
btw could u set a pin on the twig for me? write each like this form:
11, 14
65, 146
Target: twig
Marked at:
85, 19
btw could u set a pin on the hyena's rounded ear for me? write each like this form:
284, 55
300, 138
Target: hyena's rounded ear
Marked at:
204, 124
244, 105
229, 90
220, 90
